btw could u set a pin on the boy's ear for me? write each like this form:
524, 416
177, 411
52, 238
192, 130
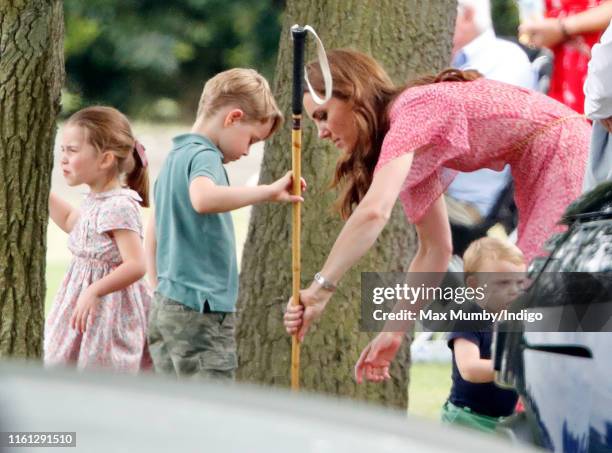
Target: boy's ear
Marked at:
233, 116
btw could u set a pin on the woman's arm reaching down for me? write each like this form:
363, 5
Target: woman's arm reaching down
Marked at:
356, 238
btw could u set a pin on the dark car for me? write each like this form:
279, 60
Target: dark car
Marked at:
564, 375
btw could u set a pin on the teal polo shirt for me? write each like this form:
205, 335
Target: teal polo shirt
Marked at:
196, 253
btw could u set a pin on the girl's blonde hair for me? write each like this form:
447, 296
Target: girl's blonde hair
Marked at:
109, 130
245, 88
359, 80
490, 248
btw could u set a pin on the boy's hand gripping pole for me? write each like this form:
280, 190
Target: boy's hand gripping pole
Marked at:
299, 39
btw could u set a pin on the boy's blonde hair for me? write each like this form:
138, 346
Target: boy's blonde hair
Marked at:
245, 88
490, 248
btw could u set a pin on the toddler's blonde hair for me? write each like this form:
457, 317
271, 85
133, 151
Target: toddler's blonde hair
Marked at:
490, 248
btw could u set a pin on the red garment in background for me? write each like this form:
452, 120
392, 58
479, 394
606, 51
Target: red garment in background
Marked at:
571, 57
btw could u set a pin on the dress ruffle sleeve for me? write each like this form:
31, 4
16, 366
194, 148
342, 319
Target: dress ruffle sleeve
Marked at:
119, 213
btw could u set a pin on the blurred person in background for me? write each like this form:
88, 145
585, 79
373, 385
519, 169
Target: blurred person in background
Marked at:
569, 28
472, 196
598, 107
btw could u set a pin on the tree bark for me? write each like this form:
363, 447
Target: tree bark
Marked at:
408, 38
31, 77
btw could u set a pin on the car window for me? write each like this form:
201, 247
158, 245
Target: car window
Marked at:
587, 248
579, 270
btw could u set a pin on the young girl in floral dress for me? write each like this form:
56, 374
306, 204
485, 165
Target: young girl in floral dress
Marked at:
99, 315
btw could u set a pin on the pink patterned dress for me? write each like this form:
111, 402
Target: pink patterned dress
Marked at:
465, 126
115, 337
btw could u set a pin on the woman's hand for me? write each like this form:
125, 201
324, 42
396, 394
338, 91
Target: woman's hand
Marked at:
85, 305
298, 318
282, 189
607, 123
546, 32
377, 356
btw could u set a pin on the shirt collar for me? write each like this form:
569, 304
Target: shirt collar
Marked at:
115, 192
196, 139
479, 44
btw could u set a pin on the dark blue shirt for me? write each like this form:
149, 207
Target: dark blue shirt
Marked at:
486, 398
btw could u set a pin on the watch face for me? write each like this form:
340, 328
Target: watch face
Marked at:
324, 283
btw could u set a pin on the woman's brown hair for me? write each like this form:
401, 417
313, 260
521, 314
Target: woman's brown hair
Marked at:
109, 130
359, 80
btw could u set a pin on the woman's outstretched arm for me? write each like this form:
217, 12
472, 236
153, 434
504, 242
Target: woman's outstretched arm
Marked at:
370, 217
356, 238
433, 255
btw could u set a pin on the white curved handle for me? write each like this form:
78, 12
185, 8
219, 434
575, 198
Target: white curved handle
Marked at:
327, 78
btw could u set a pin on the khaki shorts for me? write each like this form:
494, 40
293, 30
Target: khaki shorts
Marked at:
187, 343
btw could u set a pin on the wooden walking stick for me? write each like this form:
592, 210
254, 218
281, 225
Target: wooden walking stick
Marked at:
299, 37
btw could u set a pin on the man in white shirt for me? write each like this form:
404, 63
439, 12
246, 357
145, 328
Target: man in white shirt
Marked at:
475, 46
598, 107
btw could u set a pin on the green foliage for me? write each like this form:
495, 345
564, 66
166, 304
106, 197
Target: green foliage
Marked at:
505, 17
150, 58
138, 54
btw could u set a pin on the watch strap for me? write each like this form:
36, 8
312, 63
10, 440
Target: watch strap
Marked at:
325, 284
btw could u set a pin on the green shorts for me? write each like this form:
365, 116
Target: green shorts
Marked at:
464, 416
187, 343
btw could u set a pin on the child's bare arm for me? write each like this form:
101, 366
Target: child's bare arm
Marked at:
206, 197
151, 250
471, 367
64, 215
129, 271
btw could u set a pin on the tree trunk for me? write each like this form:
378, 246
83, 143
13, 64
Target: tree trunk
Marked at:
408, 38
31, 77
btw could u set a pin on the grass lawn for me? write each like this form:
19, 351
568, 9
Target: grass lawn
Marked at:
55, 274
58, 255
429, 387
429, 382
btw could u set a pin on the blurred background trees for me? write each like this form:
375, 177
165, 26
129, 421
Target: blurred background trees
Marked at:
505, 17
150, 58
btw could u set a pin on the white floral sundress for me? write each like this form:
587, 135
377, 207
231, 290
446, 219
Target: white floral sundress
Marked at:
115, 336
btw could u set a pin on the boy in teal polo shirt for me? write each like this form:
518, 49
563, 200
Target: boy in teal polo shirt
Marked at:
191, 253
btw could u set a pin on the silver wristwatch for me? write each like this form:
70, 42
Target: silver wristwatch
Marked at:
325, 284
